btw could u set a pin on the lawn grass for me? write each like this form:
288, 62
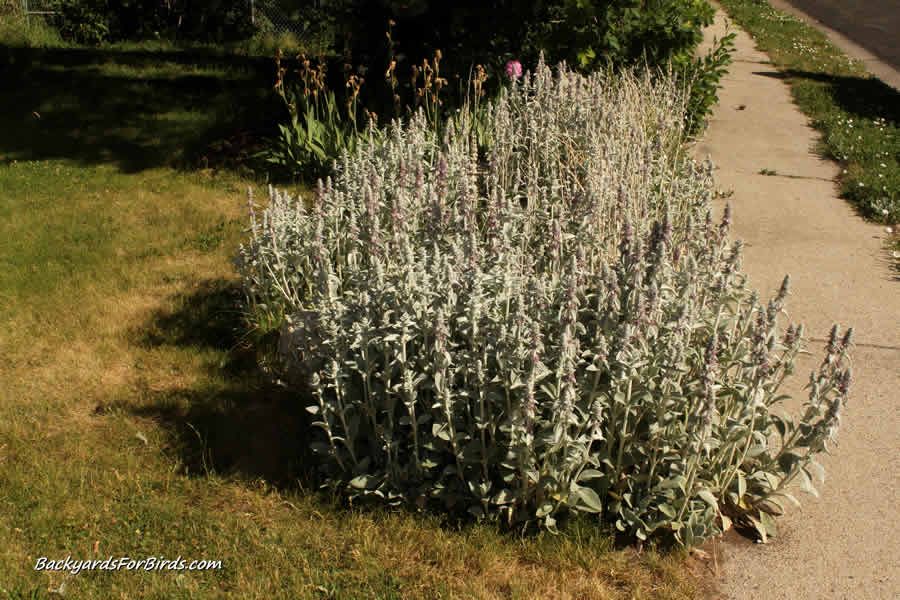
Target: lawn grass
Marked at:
858, 115
134, 418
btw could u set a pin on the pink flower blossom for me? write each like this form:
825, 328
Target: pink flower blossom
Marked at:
514, 69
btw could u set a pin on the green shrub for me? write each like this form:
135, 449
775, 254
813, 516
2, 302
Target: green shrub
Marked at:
587, 34
654, 33
209, 21
83, 21
703, 74
97, 21
559, 327
319, 131
590, 33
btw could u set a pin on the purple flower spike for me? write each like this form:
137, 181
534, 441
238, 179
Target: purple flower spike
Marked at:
848, 339
846, 379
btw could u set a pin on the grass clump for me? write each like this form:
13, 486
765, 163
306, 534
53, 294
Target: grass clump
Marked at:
858, 115
555, 328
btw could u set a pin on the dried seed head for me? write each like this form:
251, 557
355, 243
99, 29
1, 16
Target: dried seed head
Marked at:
848, 339
537, 345
726, 220
627, 237
652, 297
442, 171
440, 330
784, 290
790, 336
621, 200
657, 242
667, 226
637, 252
734, 258
556, 243
771, 312
834, 414
832, 346
760, 351
711, 371
846, 380
710, 361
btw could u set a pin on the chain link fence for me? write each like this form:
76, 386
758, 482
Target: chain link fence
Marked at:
43, 9
278, 18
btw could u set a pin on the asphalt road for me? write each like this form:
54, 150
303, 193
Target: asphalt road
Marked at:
873, 24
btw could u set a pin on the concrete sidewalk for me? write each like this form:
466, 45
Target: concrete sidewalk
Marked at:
847, 543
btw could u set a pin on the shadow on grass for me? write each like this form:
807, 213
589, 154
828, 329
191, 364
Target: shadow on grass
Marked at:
236, 422
247, 431
239, 423
135, 109
863, 98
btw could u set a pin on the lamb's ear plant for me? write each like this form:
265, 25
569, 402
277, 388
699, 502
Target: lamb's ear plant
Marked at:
563, 330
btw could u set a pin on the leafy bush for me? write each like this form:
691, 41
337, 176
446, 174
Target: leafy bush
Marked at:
590, 33
641, 32
703, 74
97, 21
319, 131
559, 327
213, 20
83, 21
587, 34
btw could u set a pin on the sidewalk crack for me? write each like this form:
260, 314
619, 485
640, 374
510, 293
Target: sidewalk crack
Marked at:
808, 177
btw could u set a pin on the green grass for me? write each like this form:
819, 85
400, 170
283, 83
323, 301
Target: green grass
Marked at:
858, 115
134, 418
137, 109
